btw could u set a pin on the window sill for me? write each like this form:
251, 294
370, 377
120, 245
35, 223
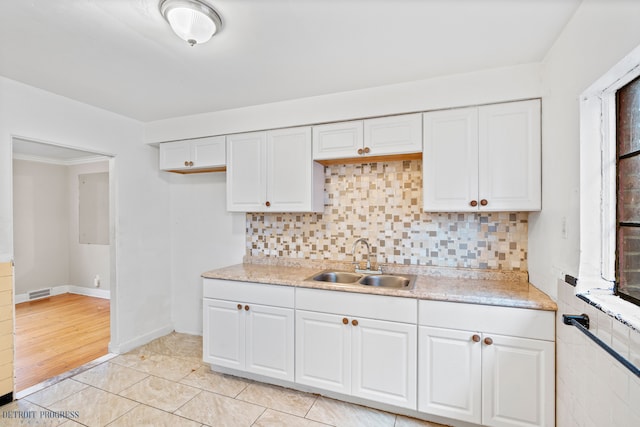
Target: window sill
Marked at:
624, 311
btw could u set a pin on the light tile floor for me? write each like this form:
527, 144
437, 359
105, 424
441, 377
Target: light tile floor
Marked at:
165, 383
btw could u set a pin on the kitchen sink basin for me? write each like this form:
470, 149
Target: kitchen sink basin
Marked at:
385, 281
404, 281
337, 277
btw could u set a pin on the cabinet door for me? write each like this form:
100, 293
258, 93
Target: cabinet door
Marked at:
384, 364
337, 140
323, 351
269, 341
509, 163
208, 152
518, 382
290, 171
450, 160
223, 330
393, 135
175, 155
449, 368
246, 172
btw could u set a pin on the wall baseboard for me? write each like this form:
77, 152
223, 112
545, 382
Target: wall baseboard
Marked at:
141, 340
69, 289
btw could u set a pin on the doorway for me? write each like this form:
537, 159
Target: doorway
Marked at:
63, 246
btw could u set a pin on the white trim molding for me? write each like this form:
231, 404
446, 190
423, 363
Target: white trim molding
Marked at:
596, 275
69, 289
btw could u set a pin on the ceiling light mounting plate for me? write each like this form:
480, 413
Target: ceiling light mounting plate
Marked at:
192, 20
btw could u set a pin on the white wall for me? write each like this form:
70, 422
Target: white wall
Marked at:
511, 83
592, 389
41, 225
597, 37
85, 260
141, 294
204, 236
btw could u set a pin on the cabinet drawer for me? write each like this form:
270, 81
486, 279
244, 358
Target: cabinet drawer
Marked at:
256, 293
520, 322
380, 307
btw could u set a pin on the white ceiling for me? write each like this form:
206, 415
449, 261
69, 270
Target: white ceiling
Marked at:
121, 55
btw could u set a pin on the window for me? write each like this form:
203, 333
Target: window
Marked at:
628, 192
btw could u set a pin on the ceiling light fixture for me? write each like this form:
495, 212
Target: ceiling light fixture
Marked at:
192, 20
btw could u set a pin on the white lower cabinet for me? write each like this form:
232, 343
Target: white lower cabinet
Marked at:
485, 365
244, 335
384, 362
450, 381
481, 374
352, 354
518, 382
323, 351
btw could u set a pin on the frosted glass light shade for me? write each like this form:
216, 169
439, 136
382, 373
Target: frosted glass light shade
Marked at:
191, 20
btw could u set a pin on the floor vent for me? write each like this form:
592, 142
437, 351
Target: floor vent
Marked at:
39, 294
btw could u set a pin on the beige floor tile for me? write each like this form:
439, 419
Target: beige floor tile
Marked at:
131, 358
402, 421
278, 398
271, 418
56, 392
96, 408
111, 377
215, 382
160, 393
178, 345
168, 367
168, 375
343, 414
146, 416
215, 410
22, 413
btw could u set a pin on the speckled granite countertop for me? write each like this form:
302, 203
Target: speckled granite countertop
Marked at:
508, 289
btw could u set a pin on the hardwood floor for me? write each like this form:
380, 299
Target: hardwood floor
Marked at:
57, 334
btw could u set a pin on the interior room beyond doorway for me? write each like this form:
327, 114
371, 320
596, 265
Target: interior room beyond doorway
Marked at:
62, 227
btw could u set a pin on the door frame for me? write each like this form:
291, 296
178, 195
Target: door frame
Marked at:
111, 158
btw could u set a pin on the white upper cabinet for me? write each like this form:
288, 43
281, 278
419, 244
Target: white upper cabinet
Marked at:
337, 140
393, 135
193, 155
383, 136
273, 172
483, 158
450, 160
246, 172
510, 156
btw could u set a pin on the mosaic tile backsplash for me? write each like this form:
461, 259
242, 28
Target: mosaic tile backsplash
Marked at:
382, 202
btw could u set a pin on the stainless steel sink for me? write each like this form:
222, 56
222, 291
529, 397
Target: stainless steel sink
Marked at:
404, 281
385, 281
337, 277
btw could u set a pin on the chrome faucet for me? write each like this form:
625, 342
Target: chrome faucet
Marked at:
353, 251
368, 267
